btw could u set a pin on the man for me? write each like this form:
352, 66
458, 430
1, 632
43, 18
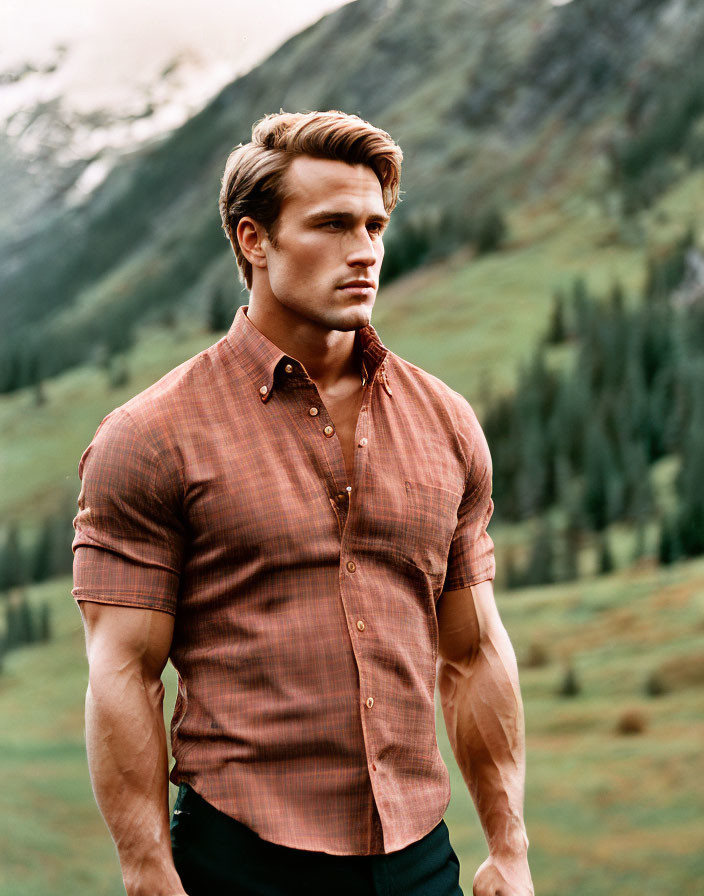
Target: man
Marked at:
296, 517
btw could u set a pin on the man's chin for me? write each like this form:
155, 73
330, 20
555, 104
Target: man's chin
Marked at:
354, 317
357, 321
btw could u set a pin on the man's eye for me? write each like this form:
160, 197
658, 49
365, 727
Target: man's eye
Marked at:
376, 228
334, 224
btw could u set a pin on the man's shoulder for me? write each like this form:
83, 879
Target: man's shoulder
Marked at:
180, 395
425, 386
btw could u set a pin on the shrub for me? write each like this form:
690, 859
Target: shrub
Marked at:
490, 231
631, 721
569, 686
655, 685
682, 671
536, 656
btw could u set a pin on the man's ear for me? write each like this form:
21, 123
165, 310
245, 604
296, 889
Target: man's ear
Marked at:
251, 236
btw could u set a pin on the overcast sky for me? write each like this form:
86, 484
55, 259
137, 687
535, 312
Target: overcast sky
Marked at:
114, 45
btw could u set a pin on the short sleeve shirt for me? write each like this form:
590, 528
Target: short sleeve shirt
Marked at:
304, 603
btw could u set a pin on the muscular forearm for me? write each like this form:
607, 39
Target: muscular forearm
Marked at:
483, 712
128, 762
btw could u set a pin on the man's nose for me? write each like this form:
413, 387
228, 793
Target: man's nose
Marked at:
362, 253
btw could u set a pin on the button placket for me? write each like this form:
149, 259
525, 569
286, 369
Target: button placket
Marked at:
353, 600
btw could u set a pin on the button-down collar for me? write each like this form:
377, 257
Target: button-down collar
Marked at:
260, 358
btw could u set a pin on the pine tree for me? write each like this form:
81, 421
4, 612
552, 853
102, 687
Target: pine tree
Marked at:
12, 571
541, 563
39, 393
639, 547
690, 486
669, 547
598, 475
572, 538
26, 621
557, 328
13, 626
220, 312
617, 299
44, 622
606, 558
569, 686
638, 491
582, 305
490, 231
41, 566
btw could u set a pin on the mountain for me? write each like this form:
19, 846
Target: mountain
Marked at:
493, 104
55, 151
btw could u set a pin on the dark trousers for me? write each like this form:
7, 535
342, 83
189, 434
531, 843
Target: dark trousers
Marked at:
216, 855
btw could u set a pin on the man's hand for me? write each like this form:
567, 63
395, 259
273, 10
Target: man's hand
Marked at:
503, 876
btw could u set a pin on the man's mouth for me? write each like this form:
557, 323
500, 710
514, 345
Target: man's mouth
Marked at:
358, 285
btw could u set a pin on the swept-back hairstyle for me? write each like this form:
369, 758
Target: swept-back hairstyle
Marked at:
252, 184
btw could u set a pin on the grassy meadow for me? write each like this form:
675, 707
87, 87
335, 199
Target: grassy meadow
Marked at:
608, 812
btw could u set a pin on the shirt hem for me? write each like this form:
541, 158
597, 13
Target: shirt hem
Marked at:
475, 580
286, 842
118, 600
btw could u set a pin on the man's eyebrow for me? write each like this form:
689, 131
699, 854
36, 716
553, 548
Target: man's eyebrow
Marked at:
345, 216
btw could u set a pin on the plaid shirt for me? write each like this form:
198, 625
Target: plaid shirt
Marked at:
305, 632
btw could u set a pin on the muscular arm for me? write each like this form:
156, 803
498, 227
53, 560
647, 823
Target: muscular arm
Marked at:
126, 740
483, 711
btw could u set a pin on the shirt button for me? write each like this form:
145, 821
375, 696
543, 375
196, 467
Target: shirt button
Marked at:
289, 368
362, 443
370, 702
313, 412
328, 431
351, 565
263, 390
360, 625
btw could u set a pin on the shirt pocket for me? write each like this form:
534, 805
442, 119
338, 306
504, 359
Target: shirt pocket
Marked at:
430, 520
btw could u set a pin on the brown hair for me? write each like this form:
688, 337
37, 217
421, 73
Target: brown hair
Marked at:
254, 173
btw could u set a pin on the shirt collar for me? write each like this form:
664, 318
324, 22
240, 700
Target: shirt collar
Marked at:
260, 358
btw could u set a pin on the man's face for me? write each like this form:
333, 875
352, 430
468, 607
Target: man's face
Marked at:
328, 237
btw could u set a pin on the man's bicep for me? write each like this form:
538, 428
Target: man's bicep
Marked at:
465, 616
129, 533
118, 636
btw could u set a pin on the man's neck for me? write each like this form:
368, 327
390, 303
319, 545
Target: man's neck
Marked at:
332, 358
